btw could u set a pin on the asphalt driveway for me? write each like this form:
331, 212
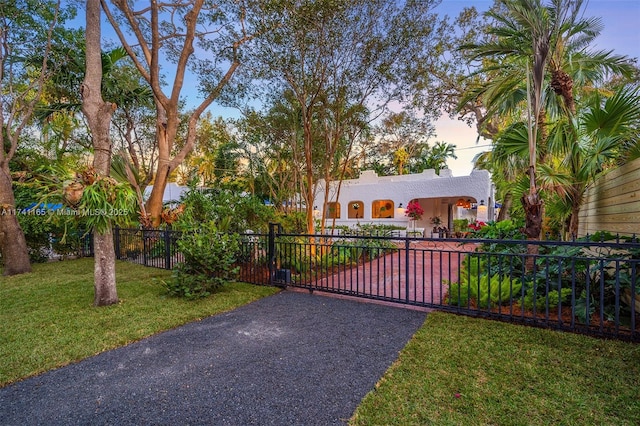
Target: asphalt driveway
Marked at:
288, 359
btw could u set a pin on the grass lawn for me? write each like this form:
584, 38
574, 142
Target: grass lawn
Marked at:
468, 371
47, 318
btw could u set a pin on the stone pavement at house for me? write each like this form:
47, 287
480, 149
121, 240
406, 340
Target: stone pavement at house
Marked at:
431, 264
288, 359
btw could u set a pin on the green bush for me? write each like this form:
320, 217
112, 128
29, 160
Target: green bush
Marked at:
503, 230
232, 212
552, 299
50, 234
562, 272
377, 230
365, 249
340, 255
476, 285
209, 258
486, 292
45, 230
37, 231
460, 226
293, 222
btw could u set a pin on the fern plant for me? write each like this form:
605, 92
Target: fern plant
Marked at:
209, 258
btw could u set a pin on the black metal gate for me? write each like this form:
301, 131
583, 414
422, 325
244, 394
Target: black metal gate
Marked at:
584, 286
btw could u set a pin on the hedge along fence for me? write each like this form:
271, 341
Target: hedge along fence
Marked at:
613, 203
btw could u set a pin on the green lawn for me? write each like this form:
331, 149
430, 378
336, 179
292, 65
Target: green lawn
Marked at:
47, 318
468, 371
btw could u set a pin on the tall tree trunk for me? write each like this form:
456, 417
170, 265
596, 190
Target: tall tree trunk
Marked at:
13, 245
532, 204
533, 215
577, 195
165, 134
155, 202
99, 115
574, 221
104, 270
308, 159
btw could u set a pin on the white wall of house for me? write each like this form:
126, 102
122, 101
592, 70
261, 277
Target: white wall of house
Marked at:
172, 193
437, 195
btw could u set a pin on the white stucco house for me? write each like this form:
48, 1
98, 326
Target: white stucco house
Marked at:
172, 193
383, 199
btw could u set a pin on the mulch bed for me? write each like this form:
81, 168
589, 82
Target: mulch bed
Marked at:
565, 319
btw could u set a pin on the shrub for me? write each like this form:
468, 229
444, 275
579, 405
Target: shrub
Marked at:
551, 300
339, 256
377, 230
484, 289
460, 226
230, 211
503, 230
293, 222
209, 258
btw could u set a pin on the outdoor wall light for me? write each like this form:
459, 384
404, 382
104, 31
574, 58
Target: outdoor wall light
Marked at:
482, 214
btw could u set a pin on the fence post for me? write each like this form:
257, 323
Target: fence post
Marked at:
167, 248
406, 268
145, 250
116, 239
271, 251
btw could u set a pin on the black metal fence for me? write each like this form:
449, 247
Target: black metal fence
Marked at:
148, 247
587, 287
157, 248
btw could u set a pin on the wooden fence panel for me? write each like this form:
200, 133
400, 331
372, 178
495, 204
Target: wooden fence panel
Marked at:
613, 203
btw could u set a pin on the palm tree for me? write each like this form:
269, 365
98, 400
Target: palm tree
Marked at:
439, 154
590, 143
530, 41
504, 164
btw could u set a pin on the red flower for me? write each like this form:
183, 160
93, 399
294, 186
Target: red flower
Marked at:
414, 211
477, 225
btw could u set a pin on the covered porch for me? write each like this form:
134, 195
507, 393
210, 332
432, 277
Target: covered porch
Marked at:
373, 199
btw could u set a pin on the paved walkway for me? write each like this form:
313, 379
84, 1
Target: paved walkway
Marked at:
288, 359
431, 265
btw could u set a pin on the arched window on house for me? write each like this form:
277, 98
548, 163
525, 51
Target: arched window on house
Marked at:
382, 209
333, 211
356, 210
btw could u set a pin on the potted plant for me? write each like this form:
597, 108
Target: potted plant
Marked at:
414, 212
460, 227
436, 221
